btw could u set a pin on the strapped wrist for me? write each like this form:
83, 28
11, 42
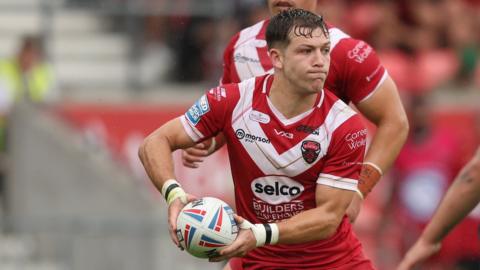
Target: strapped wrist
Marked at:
375, 166
265, 234
369, 176
171, 190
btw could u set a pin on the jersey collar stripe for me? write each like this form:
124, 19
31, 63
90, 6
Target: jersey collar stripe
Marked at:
287, 121
265, 83
322, 97
192, 132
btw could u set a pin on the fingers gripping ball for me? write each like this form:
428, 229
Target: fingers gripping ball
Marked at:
206, 225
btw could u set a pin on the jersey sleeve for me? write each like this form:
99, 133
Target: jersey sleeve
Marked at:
360, 72
227, 76
208, 115
345, 155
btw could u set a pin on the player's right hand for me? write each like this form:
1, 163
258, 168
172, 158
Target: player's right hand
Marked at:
173, 211
194, 155
419, 252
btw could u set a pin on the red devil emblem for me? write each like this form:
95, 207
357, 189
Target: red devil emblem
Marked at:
310, 151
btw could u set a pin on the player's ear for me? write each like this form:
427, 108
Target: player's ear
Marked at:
276, 58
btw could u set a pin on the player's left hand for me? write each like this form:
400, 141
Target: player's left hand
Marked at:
353, 209
173, 211
419, 252
244, 242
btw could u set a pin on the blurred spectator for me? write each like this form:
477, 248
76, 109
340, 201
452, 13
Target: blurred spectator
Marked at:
195, 51
423, 171
27, 76
156, 55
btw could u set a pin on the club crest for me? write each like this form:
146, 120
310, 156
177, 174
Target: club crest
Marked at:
310, 151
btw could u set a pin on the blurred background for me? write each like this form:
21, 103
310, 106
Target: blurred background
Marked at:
103, 74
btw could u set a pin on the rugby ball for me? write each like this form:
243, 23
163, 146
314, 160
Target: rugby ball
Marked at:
206, 225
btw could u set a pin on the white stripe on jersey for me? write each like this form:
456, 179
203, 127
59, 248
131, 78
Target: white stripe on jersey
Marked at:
265, 156
249, 33
335, 36
384, 77
192, 131
337, 182
246, 58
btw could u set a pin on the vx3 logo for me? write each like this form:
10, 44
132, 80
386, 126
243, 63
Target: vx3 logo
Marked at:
282, 133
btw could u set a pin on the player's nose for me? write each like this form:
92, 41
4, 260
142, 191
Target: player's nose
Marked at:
319, 59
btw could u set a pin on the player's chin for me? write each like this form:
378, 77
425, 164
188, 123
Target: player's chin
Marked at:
317, 84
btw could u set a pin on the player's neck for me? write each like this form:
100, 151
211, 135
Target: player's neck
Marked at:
287, 100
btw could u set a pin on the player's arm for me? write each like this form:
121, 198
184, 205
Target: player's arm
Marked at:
384, 108
317, 223
156, 156
156, 151
460, 199
367, 84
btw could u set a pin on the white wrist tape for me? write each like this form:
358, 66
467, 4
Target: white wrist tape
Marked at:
265, 234
172, 190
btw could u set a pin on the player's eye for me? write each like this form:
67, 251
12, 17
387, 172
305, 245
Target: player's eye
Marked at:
305, 51
326, 50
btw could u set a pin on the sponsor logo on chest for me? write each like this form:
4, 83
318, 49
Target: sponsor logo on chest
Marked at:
308, 129
282, 133
276, 189
361, 52
259, 117
356, 139
247, 137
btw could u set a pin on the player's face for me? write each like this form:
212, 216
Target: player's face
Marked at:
306, 61
277, 6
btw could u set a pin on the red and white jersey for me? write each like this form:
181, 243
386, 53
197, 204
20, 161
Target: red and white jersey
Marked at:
277, 163
355, 70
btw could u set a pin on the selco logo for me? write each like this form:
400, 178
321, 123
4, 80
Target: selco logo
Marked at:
241, 135
276, 189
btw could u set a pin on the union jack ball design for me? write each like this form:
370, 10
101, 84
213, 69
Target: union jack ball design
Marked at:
206, 225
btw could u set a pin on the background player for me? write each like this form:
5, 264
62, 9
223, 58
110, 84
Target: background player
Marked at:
356, 75
460, 199
296, 187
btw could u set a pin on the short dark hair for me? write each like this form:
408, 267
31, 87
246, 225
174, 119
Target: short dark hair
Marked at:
301, 22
